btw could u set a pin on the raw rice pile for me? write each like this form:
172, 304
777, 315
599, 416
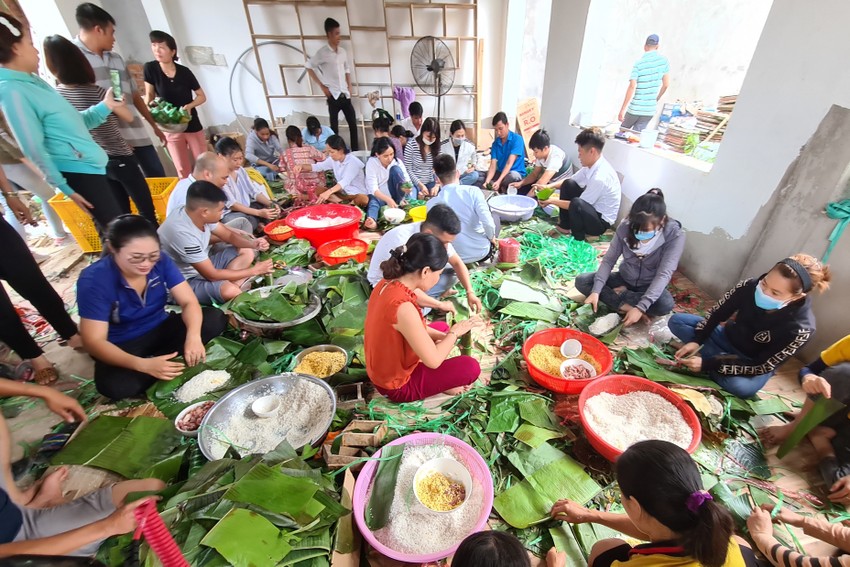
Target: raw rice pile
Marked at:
202, 384
303, 415
549, 358
622, 421
321, 364
325, 222
413, 528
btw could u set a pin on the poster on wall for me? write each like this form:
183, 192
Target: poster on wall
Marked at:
528, 118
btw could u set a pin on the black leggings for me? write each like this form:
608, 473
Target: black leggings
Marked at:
21, 271
95, 189
581, 218
128, 182
118, 383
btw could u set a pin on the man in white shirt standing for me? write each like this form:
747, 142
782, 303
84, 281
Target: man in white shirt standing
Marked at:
478, 227
330, 69
590, 199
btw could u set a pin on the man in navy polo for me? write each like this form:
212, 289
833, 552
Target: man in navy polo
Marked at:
507, 156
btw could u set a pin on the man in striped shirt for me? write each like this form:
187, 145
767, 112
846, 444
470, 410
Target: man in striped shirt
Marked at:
647, 84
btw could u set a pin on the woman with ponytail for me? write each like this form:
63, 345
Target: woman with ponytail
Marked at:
406, 359
665, 505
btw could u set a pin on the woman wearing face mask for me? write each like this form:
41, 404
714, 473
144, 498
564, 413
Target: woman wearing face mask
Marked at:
650, 244
773, 319
464, 152
680, 520
419, 154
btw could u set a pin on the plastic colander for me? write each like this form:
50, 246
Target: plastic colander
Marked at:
466, 454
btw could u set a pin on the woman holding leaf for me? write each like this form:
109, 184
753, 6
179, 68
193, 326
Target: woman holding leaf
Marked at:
123, 321
406, 359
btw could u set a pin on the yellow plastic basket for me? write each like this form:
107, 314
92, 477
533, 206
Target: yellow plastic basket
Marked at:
81, 225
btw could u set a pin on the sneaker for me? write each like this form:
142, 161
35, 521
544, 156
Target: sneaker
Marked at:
61, 241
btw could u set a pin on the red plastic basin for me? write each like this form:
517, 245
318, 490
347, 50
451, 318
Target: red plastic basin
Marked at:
318, 236
327, 248
278, 237
555, 337
618, 385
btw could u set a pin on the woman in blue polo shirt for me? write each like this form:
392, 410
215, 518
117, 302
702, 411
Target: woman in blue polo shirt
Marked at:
123, 321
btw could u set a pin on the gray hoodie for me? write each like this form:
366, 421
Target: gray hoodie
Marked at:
652, 271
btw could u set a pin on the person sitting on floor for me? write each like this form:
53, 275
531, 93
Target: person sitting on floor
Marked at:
493, 548
406, 359
40, 521
476, 241
590, 199
245, 198
760, 526
400, 135
215, 273
315, 134
381, 129
772, 320
464, 153
123, 322
413, 123
209, 166
828, 376
682, 522
507, 156
551, 162
442, 222
419, 154
262, 149
650, 244
385, 174
350, 178
302, 184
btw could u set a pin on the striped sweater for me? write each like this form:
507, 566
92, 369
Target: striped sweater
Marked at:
107, 135
420, 170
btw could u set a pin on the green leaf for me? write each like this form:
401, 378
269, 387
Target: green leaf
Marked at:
565, 541
246, 539
534, 436
530, 311
822, 409
768, 406
167, 469
536, 412
503, 416
127, 446
611, 336
516, 291
267, 487
383, 487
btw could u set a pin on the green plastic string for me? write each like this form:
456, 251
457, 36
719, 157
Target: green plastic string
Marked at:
561, 258
840, 211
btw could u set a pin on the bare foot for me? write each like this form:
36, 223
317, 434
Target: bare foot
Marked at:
777, 434
48, 491
449, 293
619, 290
456, 391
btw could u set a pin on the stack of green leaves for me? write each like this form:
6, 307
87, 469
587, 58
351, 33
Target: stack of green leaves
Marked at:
276, 305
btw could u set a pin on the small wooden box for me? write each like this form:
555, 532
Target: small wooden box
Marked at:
352, 435
346, 456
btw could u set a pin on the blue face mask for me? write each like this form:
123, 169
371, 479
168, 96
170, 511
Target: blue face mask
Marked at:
766, 302
645, 235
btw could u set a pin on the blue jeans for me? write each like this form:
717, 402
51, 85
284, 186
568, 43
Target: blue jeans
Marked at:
267, 172
683, 325
373, 207
447, 281
394, 185
149, 160
470, 178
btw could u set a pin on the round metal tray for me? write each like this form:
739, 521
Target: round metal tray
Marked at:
241, 398
310, 311
294, 274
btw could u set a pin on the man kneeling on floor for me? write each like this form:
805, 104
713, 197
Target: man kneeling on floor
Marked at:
478, 225
40, 521
443, 223
214, 273
590, 199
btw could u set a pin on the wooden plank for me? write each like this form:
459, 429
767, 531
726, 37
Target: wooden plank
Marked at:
294, 37
479, 80
373, 65
367, 28
245, 5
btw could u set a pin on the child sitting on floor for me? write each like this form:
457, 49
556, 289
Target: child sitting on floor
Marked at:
761, 530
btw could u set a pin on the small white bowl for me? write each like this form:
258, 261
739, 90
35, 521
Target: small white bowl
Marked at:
266, 406
450, 468
393, 215
182, 414
577, 362
571, 348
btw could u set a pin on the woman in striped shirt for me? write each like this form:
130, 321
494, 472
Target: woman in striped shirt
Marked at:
419, 154
76, 83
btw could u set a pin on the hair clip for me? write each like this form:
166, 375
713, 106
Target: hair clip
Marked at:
12, 29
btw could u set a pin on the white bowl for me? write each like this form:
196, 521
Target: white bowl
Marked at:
182, 414
450, 468
266, 406
513, 208
571, 348
393, 215
577, 362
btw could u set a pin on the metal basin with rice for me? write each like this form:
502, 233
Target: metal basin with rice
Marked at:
621, 384
590, 346
271, 329
322, 348
238, 403
512, 208
295, 274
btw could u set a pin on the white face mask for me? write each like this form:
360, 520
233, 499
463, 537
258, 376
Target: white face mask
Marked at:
457, 141
427, 142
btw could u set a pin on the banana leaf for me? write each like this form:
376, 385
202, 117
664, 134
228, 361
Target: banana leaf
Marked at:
611, 336
306, 334
349, 320
750, 457
536, 412
530, 311
565, 541
504, 416
383, 487
127, 446
822, 409
267, 487
168, 469
273, 308
517, 291
296, 252
768, 406
534, 436
246, 539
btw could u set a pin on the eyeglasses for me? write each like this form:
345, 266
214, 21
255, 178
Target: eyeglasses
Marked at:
153, 258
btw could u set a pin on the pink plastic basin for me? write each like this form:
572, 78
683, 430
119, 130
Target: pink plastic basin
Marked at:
469, 456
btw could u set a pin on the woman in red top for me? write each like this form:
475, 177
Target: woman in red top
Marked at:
406, 359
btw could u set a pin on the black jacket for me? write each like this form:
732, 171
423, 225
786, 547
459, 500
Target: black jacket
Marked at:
766, 338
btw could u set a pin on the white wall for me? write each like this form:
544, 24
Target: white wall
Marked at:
785, 95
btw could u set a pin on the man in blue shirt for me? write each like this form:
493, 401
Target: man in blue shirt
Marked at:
648, 82
315, 134
507, 155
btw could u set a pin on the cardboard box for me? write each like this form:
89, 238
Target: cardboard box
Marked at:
364, 433
346, 456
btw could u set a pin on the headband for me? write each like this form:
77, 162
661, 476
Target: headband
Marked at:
801, 272
697, 499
